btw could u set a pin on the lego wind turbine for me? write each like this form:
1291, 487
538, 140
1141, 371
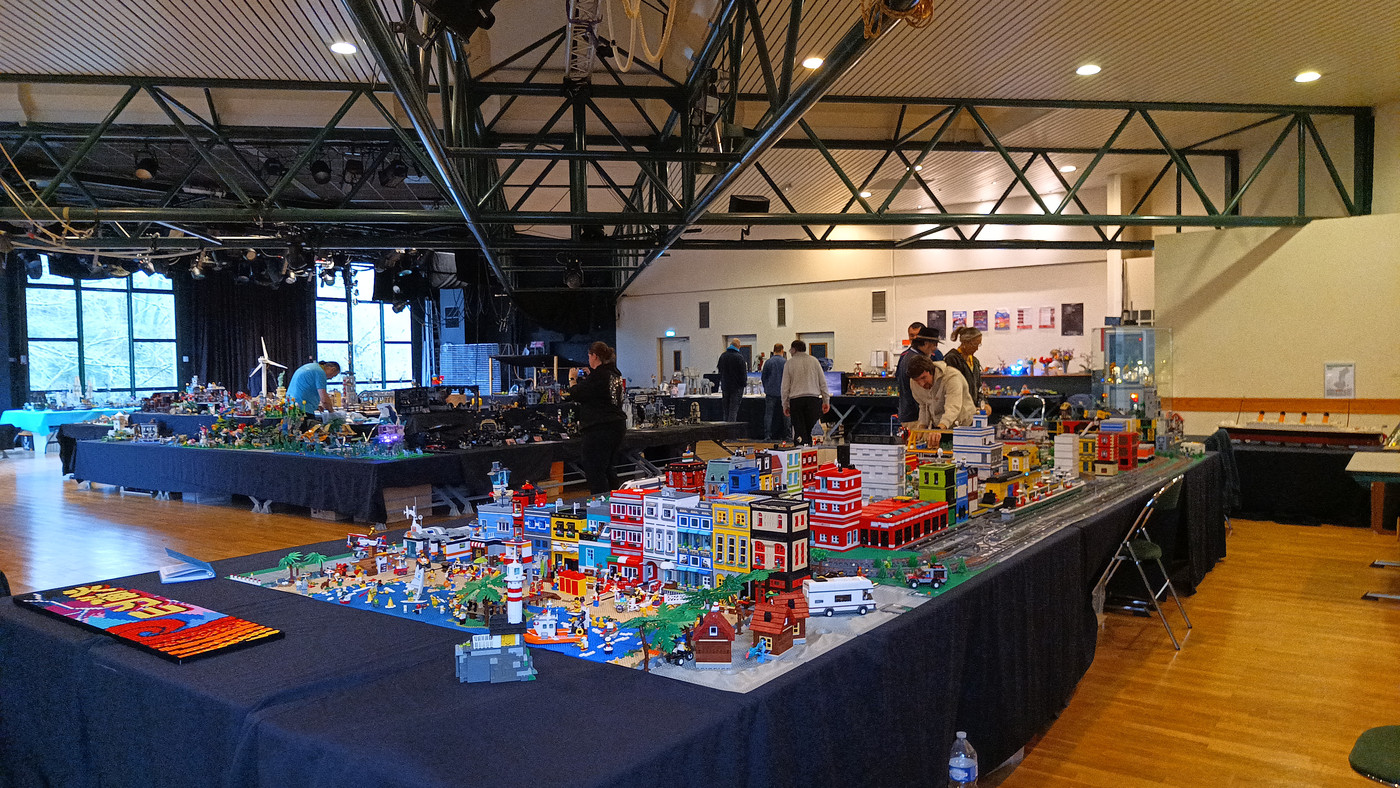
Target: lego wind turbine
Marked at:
263, 363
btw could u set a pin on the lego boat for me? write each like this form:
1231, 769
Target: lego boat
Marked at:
545, 630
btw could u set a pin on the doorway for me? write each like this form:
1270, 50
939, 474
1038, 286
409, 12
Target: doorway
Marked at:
673, 357
820, 344
746, 343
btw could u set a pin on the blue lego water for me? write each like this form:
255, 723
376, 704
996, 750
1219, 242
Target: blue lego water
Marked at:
624, 640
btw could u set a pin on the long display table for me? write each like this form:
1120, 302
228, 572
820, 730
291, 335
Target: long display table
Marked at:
349, 486
43, 422
352, 697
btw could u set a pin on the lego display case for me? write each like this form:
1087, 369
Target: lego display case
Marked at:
1135, 371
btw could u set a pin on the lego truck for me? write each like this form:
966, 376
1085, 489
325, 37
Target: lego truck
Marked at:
933, 576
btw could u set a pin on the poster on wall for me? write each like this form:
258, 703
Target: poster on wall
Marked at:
1047, 317
1025, 317
959, 320
938, 321
1071, 320
979, 319
1003, 318
1339, 380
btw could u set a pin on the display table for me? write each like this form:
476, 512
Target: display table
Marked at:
352, 697
1304, 485
43, 422
347, 486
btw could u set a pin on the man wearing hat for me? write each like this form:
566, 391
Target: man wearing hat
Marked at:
923, 344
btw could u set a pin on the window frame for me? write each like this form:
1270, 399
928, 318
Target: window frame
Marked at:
128, 289
380, 378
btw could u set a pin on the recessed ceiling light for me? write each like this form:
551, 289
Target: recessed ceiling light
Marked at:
1068, 168
1308, 76
918, 168
813, 62
344, 48
1087, 70
864, 195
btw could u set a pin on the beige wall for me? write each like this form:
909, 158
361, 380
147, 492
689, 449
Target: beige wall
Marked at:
1256, 312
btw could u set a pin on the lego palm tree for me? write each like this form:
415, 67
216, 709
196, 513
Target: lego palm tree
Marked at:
667, 624
314, 558
482, 590
290, 562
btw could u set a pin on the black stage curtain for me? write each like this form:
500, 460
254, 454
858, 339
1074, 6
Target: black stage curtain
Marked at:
221, 324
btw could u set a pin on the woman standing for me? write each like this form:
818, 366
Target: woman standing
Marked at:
963, 358
601, 421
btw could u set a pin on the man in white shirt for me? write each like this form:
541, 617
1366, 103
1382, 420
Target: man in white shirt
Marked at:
805, 395
942, 393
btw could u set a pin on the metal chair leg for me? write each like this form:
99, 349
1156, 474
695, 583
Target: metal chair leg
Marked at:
1147, 586
1172, 588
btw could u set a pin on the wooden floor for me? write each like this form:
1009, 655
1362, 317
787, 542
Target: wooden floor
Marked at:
1285, 667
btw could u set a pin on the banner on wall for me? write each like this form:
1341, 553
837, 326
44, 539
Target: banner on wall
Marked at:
1025, 317
979, 319
1003, 318
1071, 320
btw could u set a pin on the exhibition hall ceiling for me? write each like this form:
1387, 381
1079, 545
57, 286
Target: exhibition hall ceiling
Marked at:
1191, 51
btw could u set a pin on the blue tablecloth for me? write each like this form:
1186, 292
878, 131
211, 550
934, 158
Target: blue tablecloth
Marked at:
42, 422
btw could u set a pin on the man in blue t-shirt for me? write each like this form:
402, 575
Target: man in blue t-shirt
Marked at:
307, 390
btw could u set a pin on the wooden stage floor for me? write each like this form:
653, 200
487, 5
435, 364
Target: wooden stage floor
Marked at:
1286, 666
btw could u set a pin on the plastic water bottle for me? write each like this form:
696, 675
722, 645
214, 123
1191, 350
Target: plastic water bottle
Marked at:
962, 763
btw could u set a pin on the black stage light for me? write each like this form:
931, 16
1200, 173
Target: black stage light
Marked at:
146, 166
320, 171
272, 168
353, 172
603, 49
393, 173
748, 203
573, 274
462, 17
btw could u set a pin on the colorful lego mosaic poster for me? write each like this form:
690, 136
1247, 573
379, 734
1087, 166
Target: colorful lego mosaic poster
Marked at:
175, 630
1071, 320
959, 320
1025, 317
1003, 318
979, 319
1047, 317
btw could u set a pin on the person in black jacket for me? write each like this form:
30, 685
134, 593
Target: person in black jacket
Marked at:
733, 376
602, 423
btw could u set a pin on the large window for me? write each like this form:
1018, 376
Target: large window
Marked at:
115, 335
366, 337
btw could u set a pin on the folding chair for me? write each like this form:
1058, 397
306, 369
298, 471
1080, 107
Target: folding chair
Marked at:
1138, 548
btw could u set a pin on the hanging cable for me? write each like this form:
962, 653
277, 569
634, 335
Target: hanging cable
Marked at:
632, 9
917, 16
19, 203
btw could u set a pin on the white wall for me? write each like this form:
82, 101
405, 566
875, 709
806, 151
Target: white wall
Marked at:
1256, 312
830, 291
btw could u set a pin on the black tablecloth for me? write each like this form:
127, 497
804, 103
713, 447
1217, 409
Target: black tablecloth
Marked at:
353, 487
1300, 485
356, 698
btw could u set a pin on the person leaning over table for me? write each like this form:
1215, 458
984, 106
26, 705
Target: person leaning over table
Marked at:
602, 422
307, 389
920, 345
963, 358
805, 395
774, 422
942, 394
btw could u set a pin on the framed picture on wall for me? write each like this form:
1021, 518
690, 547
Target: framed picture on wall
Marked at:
1003, 318
1047, 317
959, 320
1339, 380
1025, 317
938, 321
1071, 320
979, 319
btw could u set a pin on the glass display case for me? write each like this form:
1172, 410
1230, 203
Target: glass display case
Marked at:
1135, 369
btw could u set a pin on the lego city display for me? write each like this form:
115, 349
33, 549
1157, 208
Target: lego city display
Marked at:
175, 630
